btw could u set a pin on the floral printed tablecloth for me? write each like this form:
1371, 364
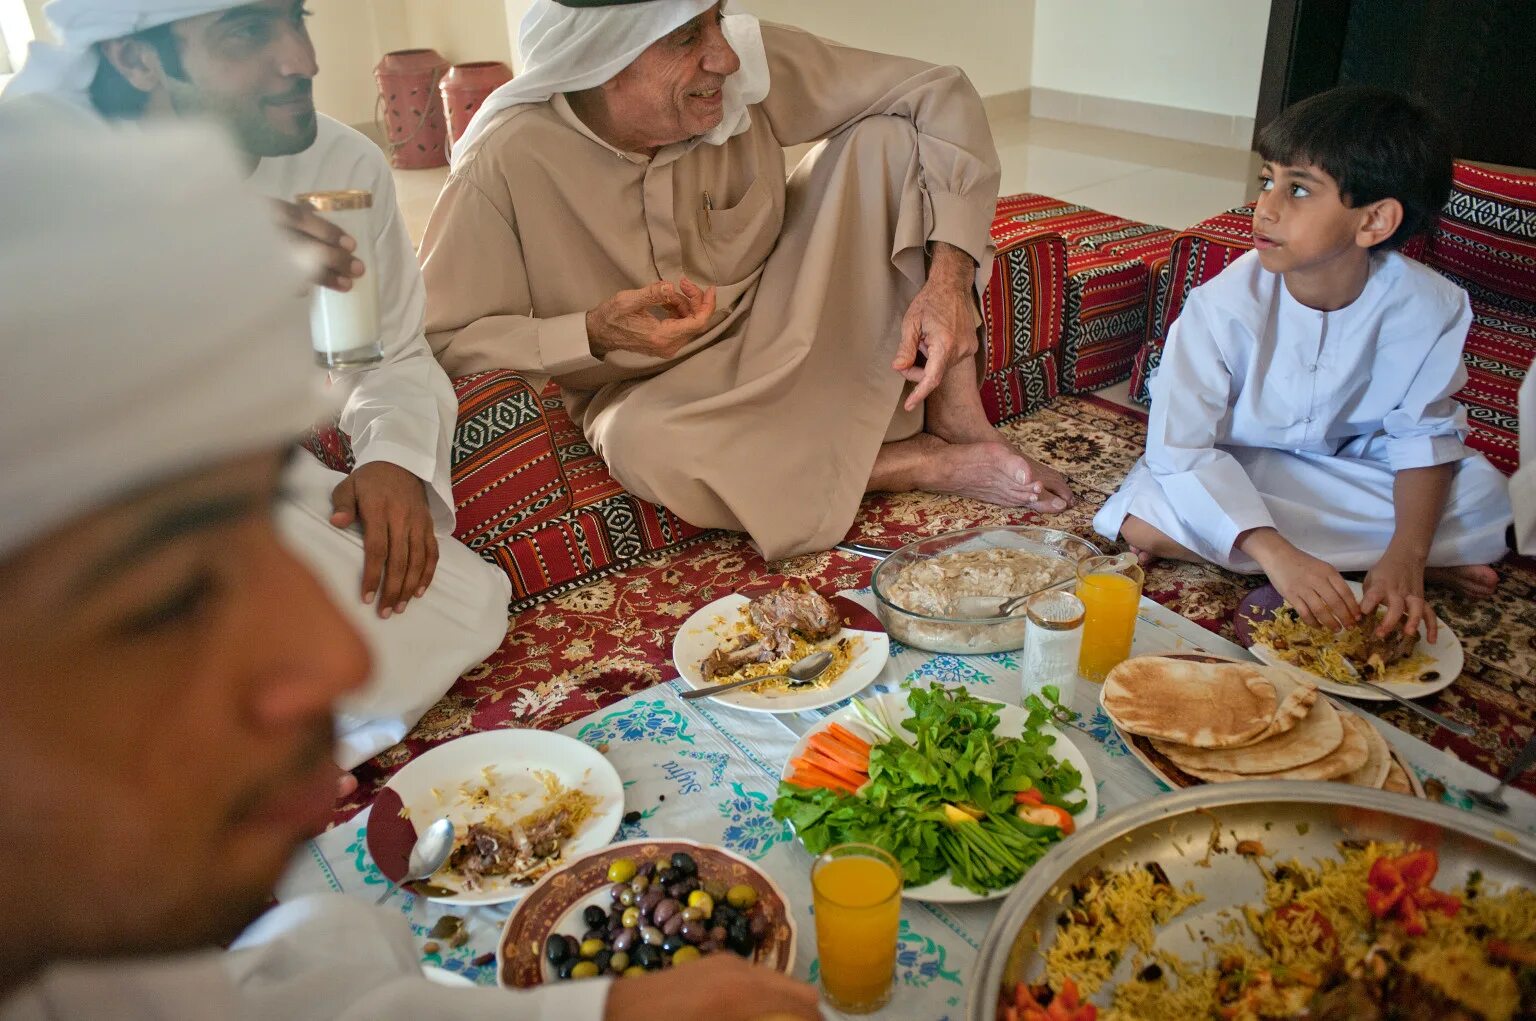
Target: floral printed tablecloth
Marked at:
704, 772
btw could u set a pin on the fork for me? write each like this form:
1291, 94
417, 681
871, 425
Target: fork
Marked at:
1455, 728
1491, 800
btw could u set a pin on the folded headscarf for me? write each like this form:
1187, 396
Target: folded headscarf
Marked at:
65, 69
152, 320
567, 49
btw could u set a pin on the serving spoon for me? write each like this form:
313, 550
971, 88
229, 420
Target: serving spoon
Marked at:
431, 849
1455, 728
800, 673
982, 607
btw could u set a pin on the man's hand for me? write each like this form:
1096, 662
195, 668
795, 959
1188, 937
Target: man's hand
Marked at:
629, 320
1318, 592
721, 987
399, 545
1397, 582
338, 266
938, 324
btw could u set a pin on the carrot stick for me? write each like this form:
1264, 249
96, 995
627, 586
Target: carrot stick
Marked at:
848, 738
834, 763
832, 749
843, 773
805, 775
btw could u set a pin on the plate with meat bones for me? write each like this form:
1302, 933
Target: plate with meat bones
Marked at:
761, 632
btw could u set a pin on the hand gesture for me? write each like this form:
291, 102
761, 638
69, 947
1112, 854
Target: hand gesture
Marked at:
399, 545
334, 246
1318, 592
721, 987
1397, 582
939, 326
658, 320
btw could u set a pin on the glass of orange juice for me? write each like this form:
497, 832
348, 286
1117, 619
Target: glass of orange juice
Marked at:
857, 892
1110, 588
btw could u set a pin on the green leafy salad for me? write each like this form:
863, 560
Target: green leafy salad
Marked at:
944, 794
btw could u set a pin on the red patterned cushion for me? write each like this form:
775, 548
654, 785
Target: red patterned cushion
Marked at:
1108, 283
1022, 310
506, 475
330, 446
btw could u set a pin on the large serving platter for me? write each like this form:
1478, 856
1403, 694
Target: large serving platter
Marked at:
1305, 821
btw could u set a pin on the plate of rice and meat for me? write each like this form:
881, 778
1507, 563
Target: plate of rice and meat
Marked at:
522, 802
1408, 665
759, 634
1269, 901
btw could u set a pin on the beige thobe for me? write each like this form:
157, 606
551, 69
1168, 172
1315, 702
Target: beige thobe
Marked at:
770, 422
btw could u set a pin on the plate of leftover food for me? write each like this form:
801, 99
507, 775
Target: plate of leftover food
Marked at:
1194, 719
944, 593
740, 636
964, 792
1269, 900
1405, 664
641, 906
522, 802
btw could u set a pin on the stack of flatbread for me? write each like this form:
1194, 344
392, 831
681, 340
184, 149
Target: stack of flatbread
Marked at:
1228, 721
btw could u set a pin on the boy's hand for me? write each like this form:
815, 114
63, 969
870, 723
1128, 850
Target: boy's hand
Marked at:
1397, 582
1318, 592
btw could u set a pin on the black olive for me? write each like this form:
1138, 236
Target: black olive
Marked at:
647, 956
555, 949
564, 971
594, 916
572, 947
602, 960
669, 875
672, 944
646, 869
630, 818
740, 944
684, 864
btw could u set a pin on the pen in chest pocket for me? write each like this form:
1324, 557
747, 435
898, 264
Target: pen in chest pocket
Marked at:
709, 208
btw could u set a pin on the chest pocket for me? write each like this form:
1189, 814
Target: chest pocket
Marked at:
737, 240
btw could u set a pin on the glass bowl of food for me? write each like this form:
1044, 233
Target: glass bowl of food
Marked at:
943, 594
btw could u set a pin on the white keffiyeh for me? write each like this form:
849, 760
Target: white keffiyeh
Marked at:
567, 49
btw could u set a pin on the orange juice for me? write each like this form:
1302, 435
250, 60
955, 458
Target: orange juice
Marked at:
1110, 602
857, 892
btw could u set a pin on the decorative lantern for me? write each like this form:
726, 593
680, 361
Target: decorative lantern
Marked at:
412, 116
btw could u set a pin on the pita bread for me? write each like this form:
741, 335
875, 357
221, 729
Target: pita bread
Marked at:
1297, 697
1318, 734
1204, 705
1378, 765
1397, 780
1349, 756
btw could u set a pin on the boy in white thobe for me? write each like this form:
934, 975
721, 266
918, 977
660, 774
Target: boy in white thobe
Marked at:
381, 537
1302, 421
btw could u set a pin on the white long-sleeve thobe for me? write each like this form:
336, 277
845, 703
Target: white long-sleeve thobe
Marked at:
1266, 412
1522, 486
402, 411
325, 958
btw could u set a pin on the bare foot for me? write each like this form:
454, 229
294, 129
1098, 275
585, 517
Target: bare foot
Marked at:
346, 783
1150, 543
994, 472
1143, 557
1476, 581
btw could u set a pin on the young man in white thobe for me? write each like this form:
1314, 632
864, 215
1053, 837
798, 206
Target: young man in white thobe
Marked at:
1302, 421
381, 536
168, 667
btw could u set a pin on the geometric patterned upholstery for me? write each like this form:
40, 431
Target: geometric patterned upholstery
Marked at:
1022, 311
1111, 265
1484, 240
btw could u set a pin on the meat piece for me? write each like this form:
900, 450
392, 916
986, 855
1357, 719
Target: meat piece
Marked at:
776, 618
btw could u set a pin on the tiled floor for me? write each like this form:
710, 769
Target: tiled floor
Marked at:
1155, 180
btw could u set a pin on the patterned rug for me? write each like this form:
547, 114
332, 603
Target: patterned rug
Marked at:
593, 646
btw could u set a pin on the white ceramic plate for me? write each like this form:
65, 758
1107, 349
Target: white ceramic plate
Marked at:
1446, 659
1010, 723
512, 755
444, 977
702, 633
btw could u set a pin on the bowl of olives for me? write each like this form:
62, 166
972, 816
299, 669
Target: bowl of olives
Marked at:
644, 905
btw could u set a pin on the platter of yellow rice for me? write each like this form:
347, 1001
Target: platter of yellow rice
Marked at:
1157, 909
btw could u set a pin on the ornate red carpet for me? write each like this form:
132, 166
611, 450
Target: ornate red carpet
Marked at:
593, 646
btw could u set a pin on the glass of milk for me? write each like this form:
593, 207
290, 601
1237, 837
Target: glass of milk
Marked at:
344, 325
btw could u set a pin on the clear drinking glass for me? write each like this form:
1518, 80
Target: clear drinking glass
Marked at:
1053, 641
344, 325
1110, 588
857, 893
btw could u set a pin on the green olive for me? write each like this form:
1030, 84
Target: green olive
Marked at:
702, 902
591, 948
741, 897
618, 962
633, 970
586, 969
621, 871
685, 954
631, 918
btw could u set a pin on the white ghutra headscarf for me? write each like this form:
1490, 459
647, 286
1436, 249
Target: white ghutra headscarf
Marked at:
567, 49
65, 69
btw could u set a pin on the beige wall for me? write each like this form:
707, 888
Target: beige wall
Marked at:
351, 35
1191, 54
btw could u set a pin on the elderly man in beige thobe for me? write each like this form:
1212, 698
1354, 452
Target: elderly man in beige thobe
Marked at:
752, 353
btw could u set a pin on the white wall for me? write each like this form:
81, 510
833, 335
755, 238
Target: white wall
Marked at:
351, 35
1192, 54
988, 39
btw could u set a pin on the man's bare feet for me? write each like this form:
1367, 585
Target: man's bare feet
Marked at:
992, 471
1476, 581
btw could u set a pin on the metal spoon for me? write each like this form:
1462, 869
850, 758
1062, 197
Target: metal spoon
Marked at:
432, 848
1451, 725
1004, 606
1491, 799
800, 673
